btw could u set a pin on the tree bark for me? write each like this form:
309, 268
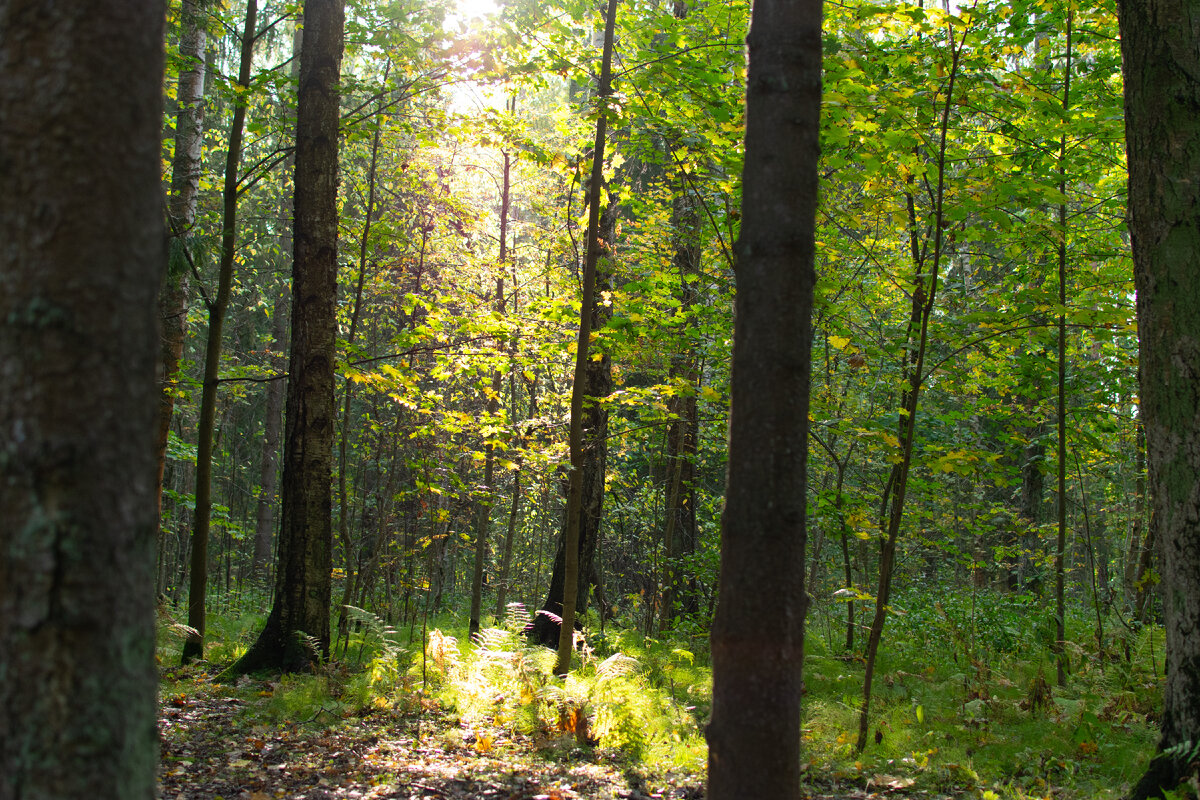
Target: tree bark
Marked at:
186, 168
297, 632
81, 222
1160, 44
593, 244
758, 631
268, 499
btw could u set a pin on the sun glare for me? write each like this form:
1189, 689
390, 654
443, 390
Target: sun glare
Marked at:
470, 9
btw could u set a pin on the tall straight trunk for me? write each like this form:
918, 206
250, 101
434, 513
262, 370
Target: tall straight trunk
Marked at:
483, 510
684, 429
193, 645
297, 632
81, 256
758, 631
597, 384
1060, 611
348, 389
186, 168
506, 555
1141, 548
264, 529
593, 245
268, 471
1161, 49
925, 287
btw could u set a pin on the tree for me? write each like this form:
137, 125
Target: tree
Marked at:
593, 245
193, 645
758, 632
297, 632
81, 220
1161, 52
186, 169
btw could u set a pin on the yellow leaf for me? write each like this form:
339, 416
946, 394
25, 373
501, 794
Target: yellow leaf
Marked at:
839, 342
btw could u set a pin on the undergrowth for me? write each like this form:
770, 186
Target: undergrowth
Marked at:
965, 702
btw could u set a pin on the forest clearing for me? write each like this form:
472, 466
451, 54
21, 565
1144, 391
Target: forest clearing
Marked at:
546, 399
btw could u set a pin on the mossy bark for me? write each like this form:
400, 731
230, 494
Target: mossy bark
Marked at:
81, 257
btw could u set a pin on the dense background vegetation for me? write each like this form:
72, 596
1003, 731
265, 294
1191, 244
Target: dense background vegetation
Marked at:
983, 147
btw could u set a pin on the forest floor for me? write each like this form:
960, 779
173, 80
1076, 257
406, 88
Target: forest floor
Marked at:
216, 747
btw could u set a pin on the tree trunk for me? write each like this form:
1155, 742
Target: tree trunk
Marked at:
597, 384
1161, 50
684, 430
81, 222
593, 245
758, 632
297, 632
925, 286
264, 530
483, 512
1060, 612
193, 646
186, 168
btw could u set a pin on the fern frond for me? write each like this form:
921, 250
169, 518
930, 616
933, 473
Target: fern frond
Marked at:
616, 665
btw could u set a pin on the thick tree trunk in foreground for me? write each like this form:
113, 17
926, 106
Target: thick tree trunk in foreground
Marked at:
758, 632
1160, 43
297, 632
81, 256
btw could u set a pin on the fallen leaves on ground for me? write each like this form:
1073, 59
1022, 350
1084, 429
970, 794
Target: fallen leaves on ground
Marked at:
213, 750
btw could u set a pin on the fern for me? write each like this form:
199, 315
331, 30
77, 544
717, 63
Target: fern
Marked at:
374, 631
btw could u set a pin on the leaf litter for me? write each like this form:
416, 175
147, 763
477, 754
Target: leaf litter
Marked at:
215, 745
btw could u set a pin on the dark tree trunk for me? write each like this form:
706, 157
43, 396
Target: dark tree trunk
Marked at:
264, 526
268, 499
597, 384
82, 255
1161, 50
680, 597
193, 646
483, 507
758, 632
297, 632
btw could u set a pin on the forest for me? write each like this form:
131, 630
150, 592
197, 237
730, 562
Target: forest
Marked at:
449, 468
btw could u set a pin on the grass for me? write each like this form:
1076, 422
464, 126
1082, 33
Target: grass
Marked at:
963, 704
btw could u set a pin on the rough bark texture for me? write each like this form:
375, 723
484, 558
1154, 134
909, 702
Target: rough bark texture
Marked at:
1160, 43
758, 632
297, 632
81, 257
